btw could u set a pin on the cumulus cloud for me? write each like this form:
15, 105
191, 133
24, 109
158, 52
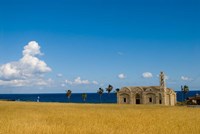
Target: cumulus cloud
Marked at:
79, 81
147, 75
26, 82
32, 49
121, 76
26, 70
185, 78
9, 71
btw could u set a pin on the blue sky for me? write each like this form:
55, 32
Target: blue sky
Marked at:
52, 46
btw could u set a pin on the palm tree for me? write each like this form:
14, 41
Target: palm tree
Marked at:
117, 90
109, 88
68, 94
185, 90
84, 96
100, 92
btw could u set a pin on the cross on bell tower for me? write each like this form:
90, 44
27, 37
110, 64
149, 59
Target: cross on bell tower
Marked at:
162, 80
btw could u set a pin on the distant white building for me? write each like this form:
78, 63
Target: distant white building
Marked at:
38, 99
147, 94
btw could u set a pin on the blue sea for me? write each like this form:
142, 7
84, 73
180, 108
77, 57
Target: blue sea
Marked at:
77, 97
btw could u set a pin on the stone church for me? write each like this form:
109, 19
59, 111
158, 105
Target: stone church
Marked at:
148, 94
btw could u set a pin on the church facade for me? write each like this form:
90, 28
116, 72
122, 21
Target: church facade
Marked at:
148, 94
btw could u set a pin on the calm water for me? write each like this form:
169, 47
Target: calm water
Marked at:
76, 98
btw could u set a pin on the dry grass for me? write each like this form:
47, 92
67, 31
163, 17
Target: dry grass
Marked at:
55, 118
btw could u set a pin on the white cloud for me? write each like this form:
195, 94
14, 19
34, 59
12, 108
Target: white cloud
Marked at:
16, 83
32, 49
9, 70
147, 75
185, 78
69, 82
60, 75
121, 76
26, 70
95, 82
26, 82
63, 85
79, 81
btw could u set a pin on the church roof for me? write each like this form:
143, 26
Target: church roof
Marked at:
155, 89
132, 88
146, 89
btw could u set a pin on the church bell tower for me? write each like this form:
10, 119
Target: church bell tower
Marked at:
162, 81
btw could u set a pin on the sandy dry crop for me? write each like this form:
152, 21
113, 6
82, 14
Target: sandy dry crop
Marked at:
58, 118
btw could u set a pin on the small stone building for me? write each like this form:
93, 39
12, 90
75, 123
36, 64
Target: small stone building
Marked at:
194, 100
147, 94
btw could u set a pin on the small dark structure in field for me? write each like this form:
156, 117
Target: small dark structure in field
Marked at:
194, 100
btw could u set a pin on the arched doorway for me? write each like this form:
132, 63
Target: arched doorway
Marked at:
150, 98
125, 99
138, 99
160, 98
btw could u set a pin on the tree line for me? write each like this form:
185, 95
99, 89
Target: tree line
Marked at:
100, 91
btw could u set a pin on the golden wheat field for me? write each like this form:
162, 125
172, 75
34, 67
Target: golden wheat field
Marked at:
58, 118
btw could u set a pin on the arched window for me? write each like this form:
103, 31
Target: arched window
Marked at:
137, 96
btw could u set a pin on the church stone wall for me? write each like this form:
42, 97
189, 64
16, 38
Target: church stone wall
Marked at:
148, 95
146, 98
